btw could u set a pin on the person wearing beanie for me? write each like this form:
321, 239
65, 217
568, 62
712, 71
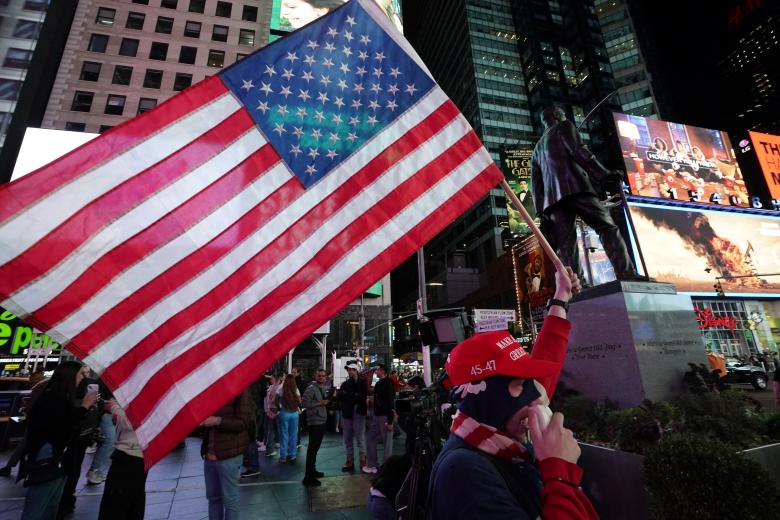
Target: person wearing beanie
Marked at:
488, 468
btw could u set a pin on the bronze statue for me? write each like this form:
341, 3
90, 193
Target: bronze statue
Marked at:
561, 172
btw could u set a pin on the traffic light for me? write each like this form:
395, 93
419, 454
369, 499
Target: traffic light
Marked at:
719, 289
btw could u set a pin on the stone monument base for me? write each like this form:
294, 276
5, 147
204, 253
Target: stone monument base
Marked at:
631, 341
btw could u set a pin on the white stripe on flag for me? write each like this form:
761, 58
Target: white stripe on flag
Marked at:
282, 271
156, 206
46, 214
143, 325
208, 373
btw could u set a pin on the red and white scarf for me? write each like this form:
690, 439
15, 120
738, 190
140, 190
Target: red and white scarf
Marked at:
487, 439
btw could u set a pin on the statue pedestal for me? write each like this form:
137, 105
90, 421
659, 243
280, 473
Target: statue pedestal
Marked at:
631, 341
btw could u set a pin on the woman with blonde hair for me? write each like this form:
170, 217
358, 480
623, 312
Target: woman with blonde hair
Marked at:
289, 409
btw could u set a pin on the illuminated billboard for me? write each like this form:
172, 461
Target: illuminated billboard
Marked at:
294, 14
767, 148
516, 166
676, 161
694, 249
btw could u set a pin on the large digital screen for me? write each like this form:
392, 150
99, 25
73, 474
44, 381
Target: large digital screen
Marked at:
294, 14
676, 161
694, 249
767, 147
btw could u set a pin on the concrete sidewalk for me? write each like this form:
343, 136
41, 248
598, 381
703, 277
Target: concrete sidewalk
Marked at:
175, 488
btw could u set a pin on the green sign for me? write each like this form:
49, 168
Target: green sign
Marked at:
16, 336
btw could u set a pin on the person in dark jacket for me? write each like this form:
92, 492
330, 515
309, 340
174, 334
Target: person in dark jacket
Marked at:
487, 468
381, 430
560, 168
225, 439
353, 401
53, 425
315, 403
385, 486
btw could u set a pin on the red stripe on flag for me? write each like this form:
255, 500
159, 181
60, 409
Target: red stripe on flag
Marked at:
180, 273
156, 235
234, 381
384, 210
38, 184
185, 319
81, 226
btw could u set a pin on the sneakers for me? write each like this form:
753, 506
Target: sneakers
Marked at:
369, 469
291, 459
91, 449
94, 476
250, 473
270, 453
311, 482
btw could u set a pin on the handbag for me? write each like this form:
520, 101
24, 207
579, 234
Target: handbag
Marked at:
44, 470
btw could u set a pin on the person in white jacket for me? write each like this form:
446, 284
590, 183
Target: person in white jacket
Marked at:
124, 496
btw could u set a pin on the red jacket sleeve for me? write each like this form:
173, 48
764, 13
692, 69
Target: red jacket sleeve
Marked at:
551, 345
562, 498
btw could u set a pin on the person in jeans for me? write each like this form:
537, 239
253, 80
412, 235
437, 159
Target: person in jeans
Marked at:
99, 467
271, 407
353, 397
289, 404
382, 424
225, 439
124, 496
315, 403
53, 424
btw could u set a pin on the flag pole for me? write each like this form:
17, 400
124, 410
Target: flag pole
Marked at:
548, 250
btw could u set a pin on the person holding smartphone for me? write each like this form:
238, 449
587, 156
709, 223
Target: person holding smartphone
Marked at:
53, 424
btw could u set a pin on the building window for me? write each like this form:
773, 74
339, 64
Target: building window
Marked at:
103, 128
153, 78
216, 59
249, 13
240, 56
26, 29
159, 51
146, 104
90, 71
129, 47
188, 54
5, 120
122, 75
164, 25
105, 16
82, 101
219, 33
75, 127
36, 5
9, 88
144, 2
169, 4
192, 29
197, 6
17, 58
182, 81
98, 43
246, 37
135, 21
115, 105
223, 9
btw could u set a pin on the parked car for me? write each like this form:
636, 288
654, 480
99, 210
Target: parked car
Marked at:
742, 372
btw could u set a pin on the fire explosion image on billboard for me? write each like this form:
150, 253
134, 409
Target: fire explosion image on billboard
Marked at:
694, 249
683, 162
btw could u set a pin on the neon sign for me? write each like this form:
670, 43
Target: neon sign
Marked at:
707, 320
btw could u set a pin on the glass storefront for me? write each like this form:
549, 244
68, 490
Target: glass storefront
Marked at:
735, 328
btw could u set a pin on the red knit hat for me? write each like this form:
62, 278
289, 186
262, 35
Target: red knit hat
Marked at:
491, 353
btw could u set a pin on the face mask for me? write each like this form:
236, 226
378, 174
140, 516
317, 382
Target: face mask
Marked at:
489, 401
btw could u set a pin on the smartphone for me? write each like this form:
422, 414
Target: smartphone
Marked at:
92, 389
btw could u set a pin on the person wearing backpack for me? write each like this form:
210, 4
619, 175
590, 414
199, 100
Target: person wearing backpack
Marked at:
487, 468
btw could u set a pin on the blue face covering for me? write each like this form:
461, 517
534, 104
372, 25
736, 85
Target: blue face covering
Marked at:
488, 401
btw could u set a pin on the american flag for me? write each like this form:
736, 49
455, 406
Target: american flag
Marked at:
182, 253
